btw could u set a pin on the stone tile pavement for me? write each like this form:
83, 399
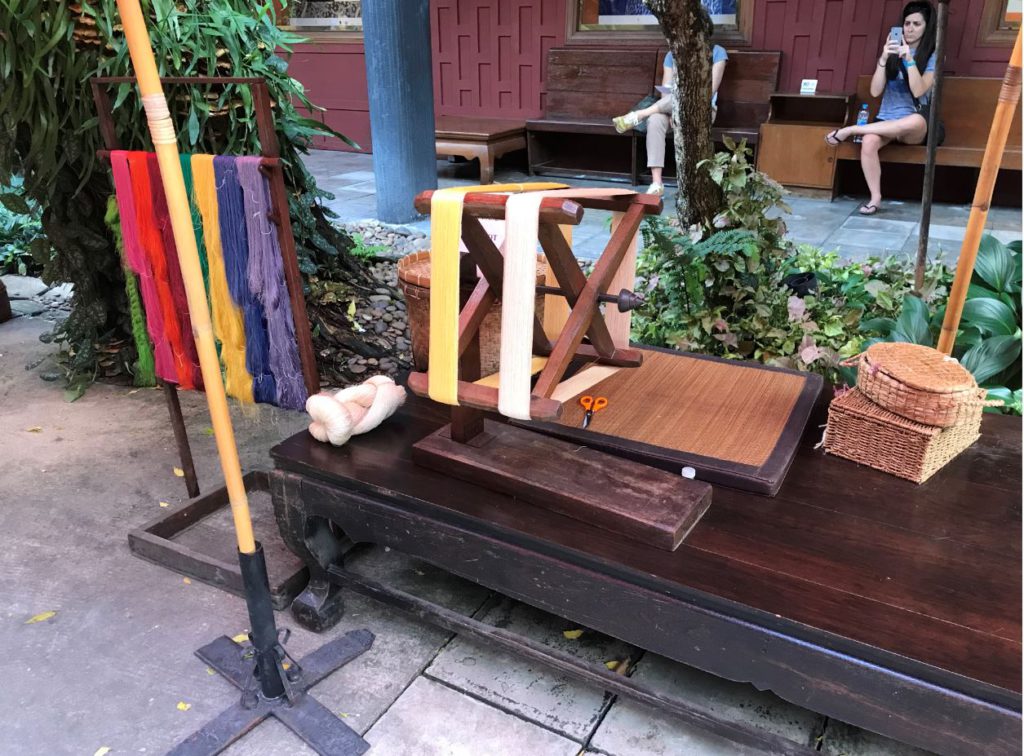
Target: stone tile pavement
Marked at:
832, 225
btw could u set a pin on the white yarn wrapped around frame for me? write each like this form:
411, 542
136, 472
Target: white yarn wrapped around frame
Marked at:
353, 410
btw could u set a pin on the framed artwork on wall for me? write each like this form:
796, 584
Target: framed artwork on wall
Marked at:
1000, 21
630, 22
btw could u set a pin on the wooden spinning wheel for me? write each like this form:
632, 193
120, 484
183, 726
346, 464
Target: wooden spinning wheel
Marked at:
583, 294
571, 479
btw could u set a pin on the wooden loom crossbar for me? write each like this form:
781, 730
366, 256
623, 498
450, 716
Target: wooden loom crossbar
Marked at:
270, 166
581, 293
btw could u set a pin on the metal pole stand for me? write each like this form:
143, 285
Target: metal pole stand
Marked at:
269, 689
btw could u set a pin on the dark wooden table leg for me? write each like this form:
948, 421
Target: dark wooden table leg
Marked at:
181, 437
319, 607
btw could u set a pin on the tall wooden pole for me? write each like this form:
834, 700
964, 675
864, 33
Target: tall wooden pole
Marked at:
929, 164
1009, 96
165, 142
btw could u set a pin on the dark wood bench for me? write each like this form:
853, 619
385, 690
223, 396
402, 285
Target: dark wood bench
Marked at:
586, 87
485, 139
967, 108
743, 101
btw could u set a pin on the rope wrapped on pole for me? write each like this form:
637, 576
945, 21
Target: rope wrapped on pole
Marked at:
1009, 96
164, 138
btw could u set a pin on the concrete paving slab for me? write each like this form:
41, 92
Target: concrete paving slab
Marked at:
841, 739
117, 658
531, 691
23, 287
630, 729
876, 225
27, 308
431, 719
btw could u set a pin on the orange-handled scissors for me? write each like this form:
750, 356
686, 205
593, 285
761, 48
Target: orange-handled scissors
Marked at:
592, 404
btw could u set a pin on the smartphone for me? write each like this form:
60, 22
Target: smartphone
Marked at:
896, 35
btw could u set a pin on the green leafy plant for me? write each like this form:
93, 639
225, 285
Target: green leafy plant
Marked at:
366, 251
24, 249
988, 341
49, 134
751, 199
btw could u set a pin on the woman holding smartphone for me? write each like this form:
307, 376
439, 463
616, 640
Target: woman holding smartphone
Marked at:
903, 76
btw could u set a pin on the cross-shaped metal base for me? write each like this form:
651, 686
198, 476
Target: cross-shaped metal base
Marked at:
308, 718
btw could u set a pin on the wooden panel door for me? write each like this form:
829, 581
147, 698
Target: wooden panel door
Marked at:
797, 155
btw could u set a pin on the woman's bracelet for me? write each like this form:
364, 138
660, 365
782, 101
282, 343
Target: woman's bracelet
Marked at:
881, 63
909, 63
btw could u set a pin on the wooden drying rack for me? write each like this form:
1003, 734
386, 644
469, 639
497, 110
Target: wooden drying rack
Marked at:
271, 167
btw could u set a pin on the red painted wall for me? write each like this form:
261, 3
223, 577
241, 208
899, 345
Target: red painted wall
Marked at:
490, 55
834, 41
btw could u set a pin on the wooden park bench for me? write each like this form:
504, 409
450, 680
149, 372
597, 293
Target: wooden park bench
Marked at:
967, 108
586, 87
485, 139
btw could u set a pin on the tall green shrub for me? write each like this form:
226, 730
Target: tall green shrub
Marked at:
49, 133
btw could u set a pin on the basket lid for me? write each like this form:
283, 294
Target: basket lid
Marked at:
920, 367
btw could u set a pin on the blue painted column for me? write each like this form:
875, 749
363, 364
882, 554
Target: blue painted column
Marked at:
396, 36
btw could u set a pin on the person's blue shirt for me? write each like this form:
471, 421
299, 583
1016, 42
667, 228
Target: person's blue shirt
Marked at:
897, 100
718, 54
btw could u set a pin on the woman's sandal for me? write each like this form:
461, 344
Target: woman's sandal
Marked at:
831, 140
868, 209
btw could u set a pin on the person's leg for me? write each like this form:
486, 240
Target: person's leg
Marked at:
626, 122
657, 131
910, 129
872, 168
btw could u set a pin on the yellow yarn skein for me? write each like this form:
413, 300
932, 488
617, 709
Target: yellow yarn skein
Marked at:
228, 324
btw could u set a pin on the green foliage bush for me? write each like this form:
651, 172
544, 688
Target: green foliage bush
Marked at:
722, 289
24, 250
49, 134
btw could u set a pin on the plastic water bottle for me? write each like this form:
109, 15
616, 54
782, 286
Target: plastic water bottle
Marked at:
862, 119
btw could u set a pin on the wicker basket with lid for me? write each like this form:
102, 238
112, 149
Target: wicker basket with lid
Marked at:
919, 383
414, 277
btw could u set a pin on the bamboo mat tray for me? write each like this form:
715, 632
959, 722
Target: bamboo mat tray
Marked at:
736, 423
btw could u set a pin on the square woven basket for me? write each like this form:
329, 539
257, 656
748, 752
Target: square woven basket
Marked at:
860, 430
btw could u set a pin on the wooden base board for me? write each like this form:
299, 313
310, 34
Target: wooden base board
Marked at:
187, 540
575, 481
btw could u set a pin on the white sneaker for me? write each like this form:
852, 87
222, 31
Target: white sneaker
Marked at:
658, 189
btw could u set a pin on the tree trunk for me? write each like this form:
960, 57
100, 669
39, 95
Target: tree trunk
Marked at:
698, 198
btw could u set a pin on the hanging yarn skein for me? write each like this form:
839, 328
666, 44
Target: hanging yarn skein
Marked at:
235, 248
266, 281
228, 321
153, 244
354, 410
135, 255
162, 217
522, 218
445, 233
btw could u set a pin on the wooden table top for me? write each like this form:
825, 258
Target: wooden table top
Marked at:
925, 580
477, 129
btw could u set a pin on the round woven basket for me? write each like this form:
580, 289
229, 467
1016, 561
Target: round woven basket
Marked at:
414, 278
919, 383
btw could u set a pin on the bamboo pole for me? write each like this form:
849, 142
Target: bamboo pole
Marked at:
929, 163
165, 142
1009, 96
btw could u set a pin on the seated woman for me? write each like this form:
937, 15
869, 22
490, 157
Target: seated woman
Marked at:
659, 114
904, 73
